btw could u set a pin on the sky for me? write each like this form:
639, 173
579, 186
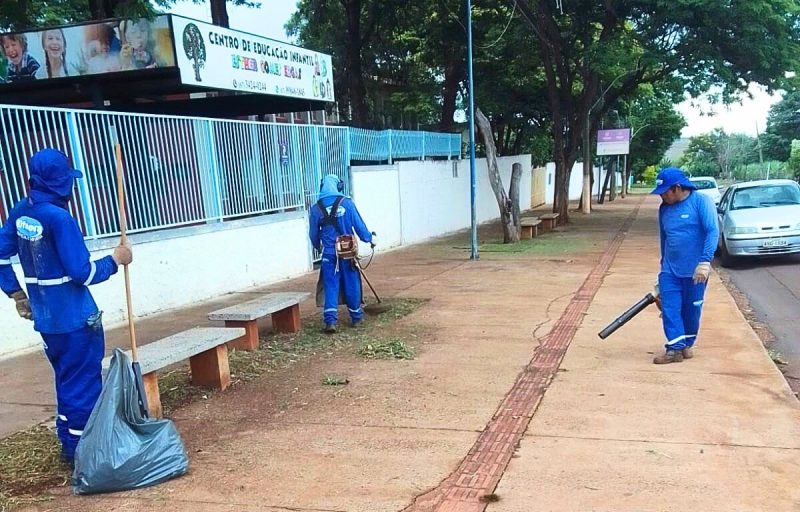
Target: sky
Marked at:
701, 116
736, 118
267, 20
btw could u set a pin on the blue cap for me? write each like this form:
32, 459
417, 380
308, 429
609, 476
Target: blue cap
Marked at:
669, 177
51, 171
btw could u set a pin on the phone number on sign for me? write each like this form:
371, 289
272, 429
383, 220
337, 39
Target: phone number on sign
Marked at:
259, 86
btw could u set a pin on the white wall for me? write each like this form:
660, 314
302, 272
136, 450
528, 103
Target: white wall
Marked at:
376, 192
576, 181
172, 272
436, 200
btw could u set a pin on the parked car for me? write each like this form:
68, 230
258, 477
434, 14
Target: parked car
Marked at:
707, 185
759, 218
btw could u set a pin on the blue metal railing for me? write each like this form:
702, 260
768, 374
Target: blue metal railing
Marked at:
389, 145
185, 170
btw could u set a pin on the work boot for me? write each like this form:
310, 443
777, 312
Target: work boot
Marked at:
329, 329
671, 356
688, 353
67, 460
357, 324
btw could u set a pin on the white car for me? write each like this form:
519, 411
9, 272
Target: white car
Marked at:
759, 218
707, 186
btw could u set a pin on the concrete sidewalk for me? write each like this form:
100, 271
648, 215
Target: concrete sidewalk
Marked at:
489, 406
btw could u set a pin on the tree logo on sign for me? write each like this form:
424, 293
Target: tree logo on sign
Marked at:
195, 48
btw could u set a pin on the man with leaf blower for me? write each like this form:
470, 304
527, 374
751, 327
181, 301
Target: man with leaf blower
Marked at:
689, 237
332, 222
58, 272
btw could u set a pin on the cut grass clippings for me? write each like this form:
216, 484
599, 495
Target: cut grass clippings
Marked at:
386, 349
30, 462
30, 459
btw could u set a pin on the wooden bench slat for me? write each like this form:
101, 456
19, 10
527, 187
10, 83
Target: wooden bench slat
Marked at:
530, 222
549, 216
258, 308
179, 347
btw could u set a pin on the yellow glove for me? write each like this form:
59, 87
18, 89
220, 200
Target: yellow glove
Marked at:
23, 306
701, 272
657, 295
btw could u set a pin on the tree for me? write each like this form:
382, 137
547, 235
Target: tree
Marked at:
508, 203
195, 48
699, 159
794, 159
598, 52
343, 28
783, 126
654, 124
219, 9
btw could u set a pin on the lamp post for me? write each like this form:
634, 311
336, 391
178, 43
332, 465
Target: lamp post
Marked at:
472, 178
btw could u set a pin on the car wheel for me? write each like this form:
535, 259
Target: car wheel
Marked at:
725, 258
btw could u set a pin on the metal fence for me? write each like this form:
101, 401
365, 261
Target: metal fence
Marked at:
181, 170
389, 145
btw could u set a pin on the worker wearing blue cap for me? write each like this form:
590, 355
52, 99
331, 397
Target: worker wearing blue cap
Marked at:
689, 237
58, 272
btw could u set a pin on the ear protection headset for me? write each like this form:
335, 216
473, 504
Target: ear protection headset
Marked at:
339, 185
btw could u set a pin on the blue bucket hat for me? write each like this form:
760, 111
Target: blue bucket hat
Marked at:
669, 177
52, 172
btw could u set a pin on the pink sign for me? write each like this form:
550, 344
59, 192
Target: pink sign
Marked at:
619, 135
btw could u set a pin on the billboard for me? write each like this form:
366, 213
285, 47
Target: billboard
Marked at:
614, 142
220, 58
92, 49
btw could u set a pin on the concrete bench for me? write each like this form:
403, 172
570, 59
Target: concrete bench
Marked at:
283, 306
549, 221
529, 227
205, 348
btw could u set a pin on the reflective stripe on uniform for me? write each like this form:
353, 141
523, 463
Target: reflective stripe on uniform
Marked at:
62, 417
47, 282
680, 338
5, 262
91, 274
75, 432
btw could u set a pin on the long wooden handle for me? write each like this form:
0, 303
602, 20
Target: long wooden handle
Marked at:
123, 226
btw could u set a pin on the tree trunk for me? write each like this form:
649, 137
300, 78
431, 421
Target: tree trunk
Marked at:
511, 228
453, 71
612, 193
626, 177
513, 194
353, 68
605, 185
219, 13
101, 9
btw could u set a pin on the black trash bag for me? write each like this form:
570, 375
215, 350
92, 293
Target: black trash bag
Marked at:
121, 449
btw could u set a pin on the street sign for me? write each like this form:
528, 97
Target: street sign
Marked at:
614, 142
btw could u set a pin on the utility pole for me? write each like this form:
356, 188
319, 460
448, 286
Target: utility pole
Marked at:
472, 177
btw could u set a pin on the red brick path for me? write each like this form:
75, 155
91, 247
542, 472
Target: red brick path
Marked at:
480, 472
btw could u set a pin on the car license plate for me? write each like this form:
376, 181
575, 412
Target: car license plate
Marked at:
776, 243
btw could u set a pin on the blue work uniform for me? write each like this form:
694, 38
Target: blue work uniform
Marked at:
336, 272
57, 271
689, 236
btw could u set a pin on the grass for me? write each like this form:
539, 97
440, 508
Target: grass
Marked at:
335, 380
545, 246
393, 348
29, 460
776, 357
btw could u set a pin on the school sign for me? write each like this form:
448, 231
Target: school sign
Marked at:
197, 54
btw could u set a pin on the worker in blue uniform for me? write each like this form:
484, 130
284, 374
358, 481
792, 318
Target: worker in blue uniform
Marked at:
689, 237
335, 215
57, 273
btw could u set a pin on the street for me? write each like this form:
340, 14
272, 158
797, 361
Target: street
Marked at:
772, 287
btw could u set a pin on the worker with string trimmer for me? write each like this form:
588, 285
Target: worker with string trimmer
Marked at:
58, 272
334, 222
